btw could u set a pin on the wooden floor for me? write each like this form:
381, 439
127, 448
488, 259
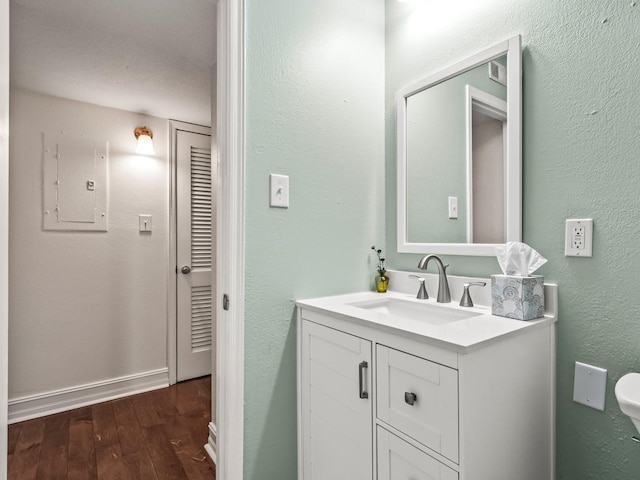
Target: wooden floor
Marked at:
154, 435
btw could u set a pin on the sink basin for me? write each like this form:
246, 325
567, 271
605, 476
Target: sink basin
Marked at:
411, 310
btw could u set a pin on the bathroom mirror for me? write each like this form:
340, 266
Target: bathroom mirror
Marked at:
459, 156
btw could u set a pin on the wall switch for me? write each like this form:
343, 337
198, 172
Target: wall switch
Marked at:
578, 238
590, 385
279, 190
145, 223
453, 207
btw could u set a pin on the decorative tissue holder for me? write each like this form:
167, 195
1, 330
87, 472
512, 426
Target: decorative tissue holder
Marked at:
518, 297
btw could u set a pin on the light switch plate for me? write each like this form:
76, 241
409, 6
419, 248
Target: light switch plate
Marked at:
279, 190
145, 223
590, 385
453, 207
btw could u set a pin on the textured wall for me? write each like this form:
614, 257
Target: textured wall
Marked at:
314, 111
581, 143
86, 306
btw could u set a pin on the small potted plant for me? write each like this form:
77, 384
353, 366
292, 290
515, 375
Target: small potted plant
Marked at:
382, 281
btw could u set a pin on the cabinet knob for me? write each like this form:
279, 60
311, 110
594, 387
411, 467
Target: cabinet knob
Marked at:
410, 398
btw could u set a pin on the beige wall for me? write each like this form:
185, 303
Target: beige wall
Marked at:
85, 306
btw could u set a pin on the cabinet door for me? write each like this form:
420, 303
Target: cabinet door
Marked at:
419, 398
335, 405
397, 460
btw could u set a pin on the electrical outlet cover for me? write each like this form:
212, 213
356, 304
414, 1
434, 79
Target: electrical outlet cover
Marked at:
578, 238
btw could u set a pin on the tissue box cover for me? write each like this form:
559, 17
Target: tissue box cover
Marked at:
517, 297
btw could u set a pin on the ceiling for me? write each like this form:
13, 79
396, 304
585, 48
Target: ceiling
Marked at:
147, 56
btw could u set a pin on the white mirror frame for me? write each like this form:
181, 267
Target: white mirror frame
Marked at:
513, 168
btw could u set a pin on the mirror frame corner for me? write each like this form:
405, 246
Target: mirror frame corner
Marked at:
513, 179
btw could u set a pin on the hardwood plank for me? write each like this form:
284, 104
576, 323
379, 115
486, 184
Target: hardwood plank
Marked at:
113, 465
55, 448
129, 432
13, 436
146, 412
191, 396
24, 462
164, 458
164, 404
187, 446
109, 463
139, 465
13, 433
105, 432
193, 458
204, 394
198, 423
82, 455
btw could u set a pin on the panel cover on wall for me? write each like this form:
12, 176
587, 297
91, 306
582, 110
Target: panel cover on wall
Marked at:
75, 183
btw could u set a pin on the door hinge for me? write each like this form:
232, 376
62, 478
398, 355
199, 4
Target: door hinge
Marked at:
225, 301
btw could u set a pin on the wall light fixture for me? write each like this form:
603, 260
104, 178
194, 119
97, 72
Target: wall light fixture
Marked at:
145, 142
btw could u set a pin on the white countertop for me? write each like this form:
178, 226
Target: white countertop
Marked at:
460, 335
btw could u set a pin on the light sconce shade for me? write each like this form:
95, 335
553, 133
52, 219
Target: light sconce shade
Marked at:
145, 142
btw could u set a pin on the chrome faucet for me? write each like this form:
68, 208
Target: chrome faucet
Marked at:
444, 296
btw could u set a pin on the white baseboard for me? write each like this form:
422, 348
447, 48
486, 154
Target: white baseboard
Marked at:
211, 447
47, 403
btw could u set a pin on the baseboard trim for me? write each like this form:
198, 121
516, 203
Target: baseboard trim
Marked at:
47, 403
210, 447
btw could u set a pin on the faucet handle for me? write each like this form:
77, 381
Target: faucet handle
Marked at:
466, 301
422, 292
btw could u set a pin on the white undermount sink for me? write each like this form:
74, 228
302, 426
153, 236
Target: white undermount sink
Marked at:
414, 310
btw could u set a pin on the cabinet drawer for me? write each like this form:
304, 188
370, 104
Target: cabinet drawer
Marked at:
397, 460
419, 398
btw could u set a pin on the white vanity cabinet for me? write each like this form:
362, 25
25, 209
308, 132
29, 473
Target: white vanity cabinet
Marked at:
380, 402
337, 375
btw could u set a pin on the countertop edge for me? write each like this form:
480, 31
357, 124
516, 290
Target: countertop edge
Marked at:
460, 347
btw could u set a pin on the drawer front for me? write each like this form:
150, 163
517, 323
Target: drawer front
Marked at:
397, 460
419, 398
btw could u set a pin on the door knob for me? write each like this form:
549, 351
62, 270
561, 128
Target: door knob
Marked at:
186, 269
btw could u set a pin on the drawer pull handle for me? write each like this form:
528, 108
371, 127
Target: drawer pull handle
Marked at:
410, 398
361, 368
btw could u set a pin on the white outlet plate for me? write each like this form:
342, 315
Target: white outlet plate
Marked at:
578, 238
279, 190
590, 385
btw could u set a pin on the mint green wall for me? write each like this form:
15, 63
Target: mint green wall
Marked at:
581, 159
315, 112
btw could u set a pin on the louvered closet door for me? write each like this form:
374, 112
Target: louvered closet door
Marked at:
194, 255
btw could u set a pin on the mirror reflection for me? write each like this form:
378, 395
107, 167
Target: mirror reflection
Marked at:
459, 155
456, 139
